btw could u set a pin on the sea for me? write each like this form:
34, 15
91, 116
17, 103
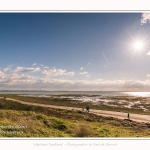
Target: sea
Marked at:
102, 93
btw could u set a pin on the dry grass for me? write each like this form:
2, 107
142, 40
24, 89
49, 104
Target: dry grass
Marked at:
83, 131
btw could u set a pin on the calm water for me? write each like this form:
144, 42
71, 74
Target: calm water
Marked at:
103, 93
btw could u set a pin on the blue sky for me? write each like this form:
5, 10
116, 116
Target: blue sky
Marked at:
75, 51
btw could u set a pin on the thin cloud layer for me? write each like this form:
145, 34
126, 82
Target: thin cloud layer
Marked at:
57, 72
24, 69
81, 68
83, 72
148, 75
34, 64
46, 67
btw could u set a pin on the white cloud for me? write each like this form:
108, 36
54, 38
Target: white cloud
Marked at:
69, 74
88, 63
57, 72
148, 53
83, 72
24, 69
8, 69
10, 65
2, 75
81, 68
22, 81
16, 80
87, 76
34, 64
46, 67
54, 72
13, 76
148, 75
145, 18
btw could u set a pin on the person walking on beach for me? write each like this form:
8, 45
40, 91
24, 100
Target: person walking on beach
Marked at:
128, 116
87, 108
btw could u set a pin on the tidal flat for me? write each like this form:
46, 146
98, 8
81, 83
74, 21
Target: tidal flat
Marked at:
127, 104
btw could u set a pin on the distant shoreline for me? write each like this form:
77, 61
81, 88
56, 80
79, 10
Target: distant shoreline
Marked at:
102, 93
71, 91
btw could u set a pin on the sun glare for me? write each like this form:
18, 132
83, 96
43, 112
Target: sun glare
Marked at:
138, 45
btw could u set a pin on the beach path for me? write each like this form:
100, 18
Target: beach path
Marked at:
119, 115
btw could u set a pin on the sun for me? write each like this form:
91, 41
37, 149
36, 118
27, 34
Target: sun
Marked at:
138, 45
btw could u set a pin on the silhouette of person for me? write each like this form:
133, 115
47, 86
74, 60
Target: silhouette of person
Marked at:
87, 108
128, 116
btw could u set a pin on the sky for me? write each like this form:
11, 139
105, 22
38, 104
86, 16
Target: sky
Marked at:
75, 51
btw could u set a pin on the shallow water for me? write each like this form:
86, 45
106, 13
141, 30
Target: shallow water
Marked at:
103, 93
